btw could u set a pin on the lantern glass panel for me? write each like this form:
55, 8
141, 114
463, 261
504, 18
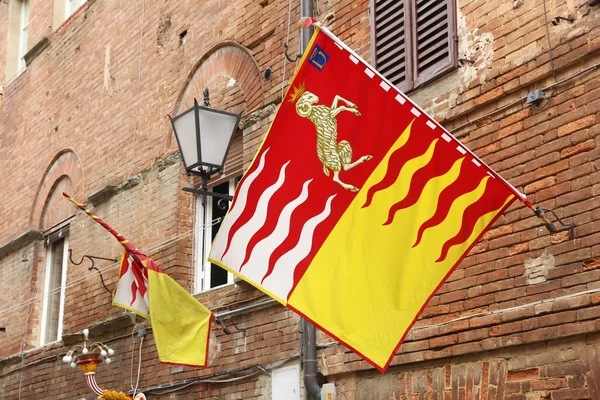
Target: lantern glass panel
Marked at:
185, 130
216, 131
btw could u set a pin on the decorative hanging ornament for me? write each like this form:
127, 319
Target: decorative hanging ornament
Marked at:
87, 357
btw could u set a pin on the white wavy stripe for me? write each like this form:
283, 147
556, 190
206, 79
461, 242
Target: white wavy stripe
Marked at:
258, 263
123, 294
91, 380
280, 282
239, 243
234, 213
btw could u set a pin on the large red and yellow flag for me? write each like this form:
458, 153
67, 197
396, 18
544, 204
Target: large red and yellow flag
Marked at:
180, 323
357, 206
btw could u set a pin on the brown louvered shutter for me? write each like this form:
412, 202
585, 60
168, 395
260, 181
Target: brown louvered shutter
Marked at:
391, 41
234, 163
434, 38
413, 41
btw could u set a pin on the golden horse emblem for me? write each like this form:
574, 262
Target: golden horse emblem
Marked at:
333, 155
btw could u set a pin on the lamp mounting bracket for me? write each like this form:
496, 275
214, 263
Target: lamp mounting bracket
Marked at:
91, 267
204, 191
223, 198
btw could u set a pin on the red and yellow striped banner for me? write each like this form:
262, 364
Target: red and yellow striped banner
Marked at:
357, 206
180, 323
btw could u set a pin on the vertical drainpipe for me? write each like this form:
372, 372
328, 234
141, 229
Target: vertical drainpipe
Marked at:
309, 358
309, 333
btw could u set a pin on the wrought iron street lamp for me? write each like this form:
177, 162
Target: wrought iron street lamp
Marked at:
204, 135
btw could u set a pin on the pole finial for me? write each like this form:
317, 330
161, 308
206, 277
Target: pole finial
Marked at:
206, 97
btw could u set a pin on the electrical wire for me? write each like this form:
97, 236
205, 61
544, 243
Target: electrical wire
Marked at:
36, 362
137, 382
104, 269
549, 44
547, 100
503, 310
287, 43
209, 379
521, 100
137, 112
150, 251
23, 342
486, 313
236, 303
177, 386
553, 87
176, 389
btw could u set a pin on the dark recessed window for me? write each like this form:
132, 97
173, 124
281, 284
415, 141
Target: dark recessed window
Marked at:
208, 218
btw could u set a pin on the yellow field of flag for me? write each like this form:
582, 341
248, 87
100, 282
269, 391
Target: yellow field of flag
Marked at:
180, 323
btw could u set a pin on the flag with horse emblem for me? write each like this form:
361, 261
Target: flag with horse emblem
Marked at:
357, 206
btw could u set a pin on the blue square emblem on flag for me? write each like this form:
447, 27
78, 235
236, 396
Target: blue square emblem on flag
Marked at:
318, 58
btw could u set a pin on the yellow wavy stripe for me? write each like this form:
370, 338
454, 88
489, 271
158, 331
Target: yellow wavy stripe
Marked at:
458, 250
401, 141
379, 173
436, 236
384, 199
427, 204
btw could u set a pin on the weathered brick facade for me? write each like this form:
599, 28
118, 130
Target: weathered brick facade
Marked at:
517, 320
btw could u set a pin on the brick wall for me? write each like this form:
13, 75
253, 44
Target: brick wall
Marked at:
516, 320
568, 369
19, 268
82, 95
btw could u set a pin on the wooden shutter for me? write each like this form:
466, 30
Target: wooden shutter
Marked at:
434, 38
234, 162
391, 40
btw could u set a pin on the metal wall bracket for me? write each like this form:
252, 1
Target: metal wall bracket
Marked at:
556, 20
226, 330
92, 258
223, 201
463, 61
206, 192
541, 213
290, 59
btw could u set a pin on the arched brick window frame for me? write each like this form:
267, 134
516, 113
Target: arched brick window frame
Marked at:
64, 173
226, 61
64, 164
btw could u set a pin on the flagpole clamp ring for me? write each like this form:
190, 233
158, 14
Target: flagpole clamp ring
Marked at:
541, 212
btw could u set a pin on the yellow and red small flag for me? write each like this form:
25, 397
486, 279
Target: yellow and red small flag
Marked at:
180, 323
131, 291
358, 205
